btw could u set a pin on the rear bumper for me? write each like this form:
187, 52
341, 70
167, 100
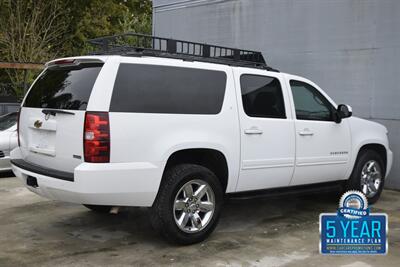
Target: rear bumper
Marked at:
117, 184
22, 164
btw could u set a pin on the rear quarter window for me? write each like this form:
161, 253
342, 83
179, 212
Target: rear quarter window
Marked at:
166, 89
63, 87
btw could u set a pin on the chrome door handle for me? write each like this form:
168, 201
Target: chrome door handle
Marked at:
253, 130
306, 133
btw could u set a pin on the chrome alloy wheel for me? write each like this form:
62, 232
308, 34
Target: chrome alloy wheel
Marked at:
371, 178
194, 206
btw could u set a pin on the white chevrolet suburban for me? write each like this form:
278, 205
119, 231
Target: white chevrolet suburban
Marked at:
177, 134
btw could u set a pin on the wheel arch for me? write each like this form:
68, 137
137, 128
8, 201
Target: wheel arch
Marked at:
374, 145
378, 148
211, 158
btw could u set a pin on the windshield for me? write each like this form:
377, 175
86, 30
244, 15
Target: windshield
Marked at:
8, 120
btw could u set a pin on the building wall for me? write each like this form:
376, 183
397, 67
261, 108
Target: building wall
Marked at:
350, 48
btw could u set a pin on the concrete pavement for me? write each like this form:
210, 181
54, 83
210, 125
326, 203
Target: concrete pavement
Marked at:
273, 232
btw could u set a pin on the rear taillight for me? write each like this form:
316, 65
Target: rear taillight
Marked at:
19, 115
96, 137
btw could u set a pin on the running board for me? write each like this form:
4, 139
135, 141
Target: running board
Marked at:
289, 191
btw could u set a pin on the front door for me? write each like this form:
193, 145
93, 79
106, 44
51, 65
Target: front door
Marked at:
322, 145
267, 131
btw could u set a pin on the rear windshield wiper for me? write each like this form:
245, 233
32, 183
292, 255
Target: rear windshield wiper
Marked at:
55, 111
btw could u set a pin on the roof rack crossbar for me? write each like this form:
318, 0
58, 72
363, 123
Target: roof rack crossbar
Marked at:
135, 44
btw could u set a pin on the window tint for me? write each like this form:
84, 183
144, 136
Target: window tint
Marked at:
262, 96
310, 104
166, 89
64, 87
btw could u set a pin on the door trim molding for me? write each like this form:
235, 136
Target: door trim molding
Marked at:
267, 163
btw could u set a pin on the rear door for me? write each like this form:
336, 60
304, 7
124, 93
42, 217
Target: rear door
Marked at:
53, 112
266, 129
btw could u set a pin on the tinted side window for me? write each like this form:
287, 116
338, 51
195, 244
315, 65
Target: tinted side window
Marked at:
166, 89
310, 104
64, 87
262, 96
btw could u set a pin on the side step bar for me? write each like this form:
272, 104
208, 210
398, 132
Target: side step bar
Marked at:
289, 191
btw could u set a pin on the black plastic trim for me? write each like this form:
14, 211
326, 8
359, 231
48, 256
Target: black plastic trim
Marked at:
66, 176
324, 187
55, 111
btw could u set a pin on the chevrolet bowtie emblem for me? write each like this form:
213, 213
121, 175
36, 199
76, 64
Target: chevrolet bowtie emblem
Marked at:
38, 124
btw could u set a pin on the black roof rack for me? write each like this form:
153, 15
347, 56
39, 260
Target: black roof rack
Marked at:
136, 44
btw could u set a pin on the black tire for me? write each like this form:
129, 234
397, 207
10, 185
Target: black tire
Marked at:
162, 212
354, 182
98, 208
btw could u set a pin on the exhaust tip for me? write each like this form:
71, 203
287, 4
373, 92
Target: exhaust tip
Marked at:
114, 210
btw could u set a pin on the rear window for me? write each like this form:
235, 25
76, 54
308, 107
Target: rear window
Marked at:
63, 87
166, 89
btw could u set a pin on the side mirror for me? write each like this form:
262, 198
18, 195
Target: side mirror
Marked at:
344, 111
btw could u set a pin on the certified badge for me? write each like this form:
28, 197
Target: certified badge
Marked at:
353, 205
353, 229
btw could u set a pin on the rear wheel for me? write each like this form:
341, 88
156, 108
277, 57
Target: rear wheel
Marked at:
368, 175
98, 208
188, 204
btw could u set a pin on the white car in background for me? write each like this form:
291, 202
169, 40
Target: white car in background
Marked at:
8, 139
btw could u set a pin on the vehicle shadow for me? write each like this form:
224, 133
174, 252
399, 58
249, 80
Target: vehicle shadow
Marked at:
6, 174
132, 225
73, 232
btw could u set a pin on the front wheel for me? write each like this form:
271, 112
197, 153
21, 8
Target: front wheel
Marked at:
188, 204
368, 175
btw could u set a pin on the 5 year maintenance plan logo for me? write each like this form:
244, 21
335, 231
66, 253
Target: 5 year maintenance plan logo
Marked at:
353, 229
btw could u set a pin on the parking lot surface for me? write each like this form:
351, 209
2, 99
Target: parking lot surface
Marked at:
271, 232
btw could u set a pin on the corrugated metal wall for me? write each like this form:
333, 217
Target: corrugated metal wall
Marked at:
350, 48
